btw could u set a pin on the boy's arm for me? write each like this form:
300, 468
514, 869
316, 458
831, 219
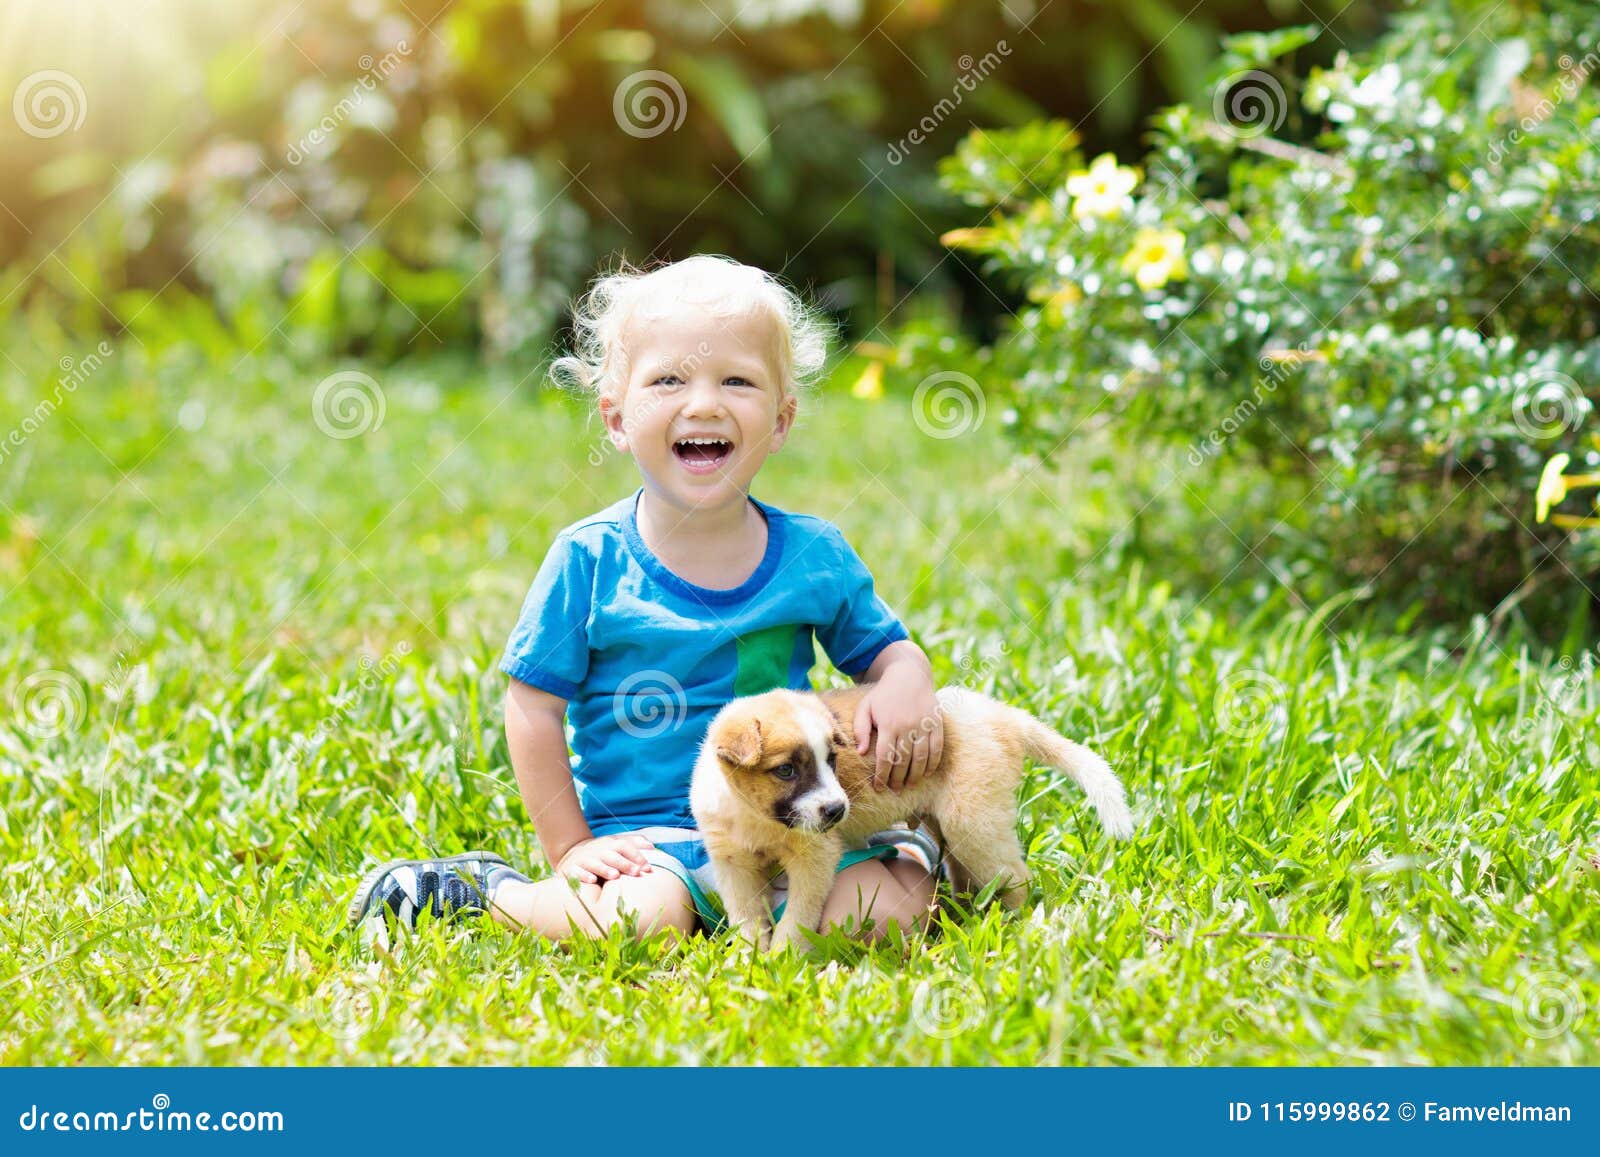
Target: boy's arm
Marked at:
895, 654
538, 743
903, 710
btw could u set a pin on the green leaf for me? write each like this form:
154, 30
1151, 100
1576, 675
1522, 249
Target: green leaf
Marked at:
233, 78
720, 86
1111, 71
1182, 45
1250, 50
1505, 63
72, 173
317, 303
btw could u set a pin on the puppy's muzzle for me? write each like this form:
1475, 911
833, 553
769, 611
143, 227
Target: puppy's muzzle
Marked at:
819, 817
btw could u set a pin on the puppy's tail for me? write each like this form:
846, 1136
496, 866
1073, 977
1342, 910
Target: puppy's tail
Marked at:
1087, 770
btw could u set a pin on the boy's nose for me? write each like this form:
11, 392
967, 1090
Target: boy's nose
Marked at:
702, 397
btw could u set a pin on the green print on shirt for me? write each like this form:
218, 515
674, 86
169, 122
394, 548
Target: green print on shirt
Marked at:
764, 659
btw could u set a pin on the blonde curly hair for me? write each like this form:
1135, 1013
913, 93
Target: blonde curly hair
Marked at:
720, 285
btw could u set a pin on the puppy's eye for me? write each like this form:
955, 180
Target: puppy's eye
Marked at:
833, 759
785, 771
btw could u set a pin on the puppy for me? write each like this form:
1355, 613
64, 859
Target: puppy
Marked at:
778, 782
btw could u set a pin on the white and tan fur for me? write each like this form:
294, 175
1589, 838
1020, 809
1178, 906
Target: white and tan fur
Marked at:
755, 815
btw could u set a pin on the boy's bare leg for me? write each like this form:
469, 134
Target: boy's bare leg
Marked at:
901, 891
897, 890
551, 907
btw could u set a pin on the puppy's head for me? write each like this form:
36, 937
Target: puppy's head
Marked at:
777, 752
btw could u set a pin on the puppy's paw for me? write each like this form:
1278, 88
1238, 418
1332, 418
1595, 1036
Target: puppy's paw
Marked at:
753, 934
790, 937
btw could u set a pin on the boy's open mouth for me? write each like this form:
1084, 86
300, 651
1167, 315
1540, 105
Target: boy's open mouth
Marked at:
702, 455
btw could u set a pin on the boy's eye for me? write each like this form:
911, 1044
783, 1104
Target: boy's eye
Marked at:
668, 380
737, 382
785, 771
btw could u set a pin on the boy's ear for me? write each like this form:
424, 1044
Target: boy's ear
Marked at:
786, 412
740, 745
611, 415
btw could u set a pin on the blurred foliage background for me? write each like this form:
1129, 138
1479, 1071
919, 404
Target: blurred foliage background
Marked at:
1136, 401
1366, 325
380, 176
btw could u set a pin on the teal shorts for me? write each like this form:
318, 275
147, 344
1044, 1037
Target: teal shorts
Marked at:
682, 852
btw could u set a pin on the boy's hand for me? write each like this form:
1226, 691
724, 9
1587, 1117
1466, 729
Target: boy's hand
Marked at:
903, 709
601, 858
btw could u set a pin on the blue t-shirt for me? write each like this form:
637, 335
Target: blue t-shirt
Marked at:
646, 659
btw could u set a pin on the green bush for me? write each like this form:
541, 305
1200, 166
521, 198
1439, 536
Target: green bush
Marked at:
1379, 279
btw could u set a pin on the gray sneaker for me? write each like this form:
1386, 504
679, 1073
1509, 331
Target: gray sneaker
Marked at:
450, 887
916, 844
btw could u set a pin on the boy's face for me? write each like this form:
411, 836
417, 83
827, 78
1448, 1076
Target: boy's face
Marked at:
695, 378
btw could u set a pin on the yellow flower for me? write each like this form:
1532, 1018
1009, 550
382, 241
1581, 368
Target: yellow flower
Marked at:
1281, 356
1552, 487
876, 350
974, 238
1156, 258
869, 386
1062, 300
1102, 189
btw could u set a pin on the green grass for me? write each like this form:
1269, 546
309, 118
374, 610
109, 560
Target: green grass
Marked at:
279, 659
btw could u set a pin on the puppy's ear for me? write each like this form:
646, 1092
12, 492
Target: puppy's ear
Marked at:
740, 745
